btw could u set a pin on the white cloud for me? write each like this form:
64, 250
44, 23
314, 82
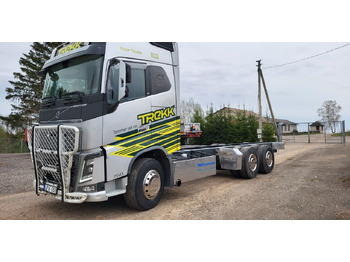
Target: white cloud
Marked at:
222, 73
226, 73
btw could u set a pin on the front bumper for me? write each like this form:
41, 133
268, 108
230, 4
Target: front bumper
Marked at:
78, 197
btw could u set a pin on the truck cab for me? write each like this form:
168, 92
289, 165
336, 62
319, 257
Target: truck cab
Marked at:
104, 106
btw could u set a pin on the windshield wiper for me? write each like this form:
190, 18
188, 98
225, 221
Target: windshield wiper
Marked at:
48, 101
73, 93
73, 97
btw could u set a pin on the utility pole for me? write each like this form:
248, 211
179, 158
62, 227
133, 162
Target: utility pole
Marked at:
261, 79
259, 131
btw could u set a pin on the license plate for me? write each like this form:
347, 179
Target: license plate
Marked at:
51, 188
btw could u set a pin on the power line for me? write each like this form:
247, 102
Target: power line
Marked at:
310, 57
300, 75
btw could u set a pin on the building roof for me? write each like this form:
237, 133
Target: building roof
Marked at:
317, 123
233, 112
285, 122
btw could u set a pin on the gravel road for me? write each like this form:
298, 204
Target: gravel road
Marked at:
309, 182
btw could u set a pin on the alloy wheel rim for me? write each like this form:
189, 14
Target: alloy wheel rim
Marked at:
151, 185
269, 158
252, 162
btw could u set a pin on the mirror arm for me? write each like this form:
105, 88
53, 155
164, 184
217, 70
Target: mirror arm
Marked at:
113, 62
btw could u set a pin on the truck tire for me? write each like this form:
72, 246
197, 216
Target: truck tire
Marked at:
145, 184
250, 163
267, 159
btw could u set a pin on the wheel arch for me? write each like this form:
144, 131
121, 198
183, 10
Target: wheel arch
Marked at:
160, 154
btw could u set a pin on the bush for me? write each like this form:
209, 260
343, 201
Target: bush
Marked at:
12, 143
268, 132
223, 128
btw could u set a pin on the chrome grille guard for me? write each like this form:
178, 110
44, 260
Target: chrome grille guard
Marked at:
53, 148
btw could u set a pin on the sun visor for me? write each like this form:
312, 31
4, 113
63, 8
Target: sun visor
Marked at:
165, 45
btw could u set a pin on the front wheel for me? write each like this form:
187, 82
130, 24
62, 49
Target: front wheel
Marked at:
145, 184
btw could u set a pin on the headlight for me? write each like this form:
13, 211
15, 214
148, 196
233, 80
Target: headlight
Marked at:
88, 169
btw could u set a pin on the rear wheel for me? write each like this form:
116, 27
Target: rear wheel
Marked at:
267, 159
145, 184
250, 163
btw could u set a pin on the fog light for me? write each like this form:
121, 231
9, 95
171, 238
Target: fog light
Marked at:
88, 170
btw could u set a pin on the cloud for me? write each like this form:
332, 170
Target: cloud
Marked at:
226, 73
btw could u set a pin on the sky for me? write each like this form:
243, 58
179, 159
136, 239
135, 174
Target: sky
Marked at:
10, 53
219, 44
225, 73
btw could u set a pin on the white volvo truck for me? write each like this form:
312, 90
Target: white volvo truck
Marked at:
109, 124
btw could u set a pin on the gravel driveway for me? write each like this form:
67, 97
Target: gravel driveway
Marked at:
310, 181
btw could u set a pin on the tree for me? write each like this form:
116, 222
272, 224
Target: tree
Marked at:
245, 127
11, 123
268, 132
268, 129
26, 91
189, 109
224, 128
198, 117
330, 113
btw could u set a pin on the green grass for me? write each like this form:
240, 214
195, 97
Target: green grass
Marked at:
347, 133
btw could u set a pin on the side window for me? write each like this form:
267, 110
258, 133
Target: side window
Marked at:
158, 80
137, 87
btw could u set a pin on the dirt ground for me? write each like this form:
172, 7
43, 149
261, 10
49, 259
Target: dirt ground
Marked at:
309, 182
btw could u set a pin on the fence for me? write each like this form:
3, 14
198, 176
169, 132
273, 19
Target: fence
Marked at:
13, 146
317, 132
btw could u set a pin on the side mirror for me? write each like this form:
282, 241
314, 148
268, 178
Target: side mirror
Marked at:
118, 75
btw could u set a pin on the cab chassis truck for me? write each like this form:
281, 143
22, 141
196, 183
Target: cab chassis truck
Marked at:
109, 124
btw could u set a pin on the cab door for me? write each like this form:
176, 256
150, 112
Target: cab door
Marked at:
122, 129
161, 89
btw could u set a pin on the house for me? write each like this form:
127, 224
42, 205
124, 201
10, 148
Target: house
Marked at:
287, 126
317, 127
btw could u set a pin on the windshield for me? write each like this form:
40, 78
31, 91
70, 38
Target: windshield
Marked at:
77, 76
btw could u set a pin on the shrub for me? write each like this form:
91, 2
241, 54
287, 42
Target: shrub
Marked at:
268, 132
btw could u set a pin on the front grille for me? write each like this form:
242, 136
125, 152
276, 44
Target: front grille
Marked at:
53, 148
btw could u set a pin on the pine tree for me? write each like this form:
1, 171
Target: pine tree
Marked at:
26, 91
